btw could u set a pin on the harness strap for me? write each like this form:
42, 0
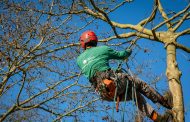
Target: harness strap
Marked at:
117, 103
106, 87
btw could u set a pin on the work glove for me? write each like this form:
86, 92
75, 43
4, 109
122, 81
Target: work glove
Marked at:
129, 51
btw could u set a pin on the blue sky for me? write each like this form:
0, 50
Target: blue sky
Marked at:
141, 9
156, 59
153, 62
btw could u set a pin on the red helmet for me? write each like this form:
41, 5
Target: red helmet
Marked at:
87, 37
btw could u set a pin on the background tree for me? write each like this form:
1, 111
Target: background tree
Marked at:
39, 46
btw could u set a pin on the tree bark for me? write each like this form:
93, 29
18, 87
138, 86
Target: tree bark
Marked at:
173, 74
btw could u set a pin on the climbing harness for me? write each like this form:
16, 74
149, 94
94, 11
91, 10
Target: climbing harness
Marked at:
108, 88
119, 68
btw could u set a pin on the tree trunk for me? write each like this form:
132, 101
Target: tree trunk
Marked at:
173, 75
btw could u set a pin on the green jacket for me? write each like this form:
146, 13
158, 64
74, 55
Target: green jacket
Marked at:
97, 59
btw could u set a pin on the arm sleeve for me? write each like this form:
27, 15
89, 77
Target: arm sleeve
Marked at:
118, 54
78, 64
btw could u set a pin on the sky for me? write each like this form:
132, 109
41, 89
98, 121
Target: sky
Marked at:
137, 10
155, 59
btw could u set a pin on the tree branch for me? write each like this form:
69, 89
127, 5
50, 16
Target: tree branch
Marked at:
164, 15
181, 21
48, 110
172, 18
11, 110
44, 101
151, 17
47, 89
77, 108
119, 5
20, 91
19, 8
184, 32
184, 48
125, 35
106, 17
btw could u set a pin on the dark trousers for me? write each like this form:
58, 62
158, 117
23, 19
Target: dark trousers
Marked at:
141, 88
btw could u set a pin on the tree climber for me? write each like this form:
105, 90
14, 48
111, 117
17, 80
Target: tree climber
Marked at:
94, 64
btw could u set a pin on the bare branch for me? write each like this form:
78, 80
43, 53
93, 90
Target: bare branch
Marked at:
5, 79
50, 13
184, 48
181, 21
151, 17
48, 110
47, 89
164, 15
11, 110
100, 16
184, 32
44, 101
119, 5
48, 51
20, 91
173, 17
40, 41
106, 16
125, 35
77, 108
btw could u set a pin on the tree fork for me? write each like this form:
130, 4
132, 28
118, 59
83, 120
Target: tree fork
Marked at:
173, 74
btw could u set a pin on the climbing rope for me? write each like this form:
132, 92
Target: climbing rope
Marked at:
134, 94
125, 99
115, 97
119, 68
